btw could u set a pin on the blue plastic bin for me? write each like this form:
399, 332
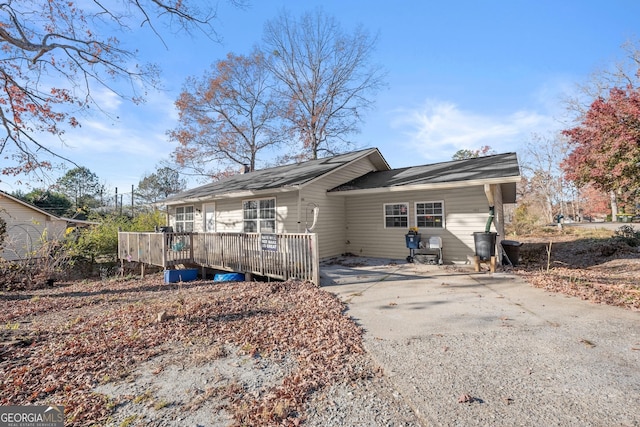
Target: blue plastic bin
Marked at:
229, 277
184, 275
413, 241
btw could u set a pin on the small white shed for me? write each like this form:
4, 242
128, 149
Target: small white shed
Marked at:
27, 227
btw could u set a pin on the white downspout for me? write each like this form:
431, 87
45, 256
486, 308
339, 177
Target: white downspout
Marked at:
299, 209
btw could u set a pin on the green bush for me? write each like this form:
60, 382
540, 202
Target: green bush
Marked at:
148, 221
100, 242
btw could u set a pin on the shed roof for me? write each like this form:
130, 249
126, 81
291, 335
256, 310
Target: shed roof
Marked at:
496, 168
279, 178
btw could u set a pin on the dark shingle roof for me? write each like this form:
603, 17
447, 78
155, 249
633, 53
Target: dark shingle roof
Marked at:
480, 168
273, 178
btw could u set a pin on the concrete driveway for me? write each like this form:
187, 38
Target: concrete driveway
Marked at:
466, 348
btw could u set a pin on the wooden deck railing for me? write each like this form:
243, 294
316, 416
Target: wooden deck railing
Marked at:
281, 256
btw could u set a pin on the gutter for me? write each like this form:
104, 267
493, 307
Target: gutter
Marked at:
422, 187
240, 194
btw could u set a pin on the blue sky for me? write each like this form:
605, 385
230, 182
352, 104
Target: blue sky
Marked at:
461, 74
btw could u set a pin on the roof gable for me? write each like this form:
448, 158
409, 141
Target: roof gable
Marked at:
276, 178
27, 204
497, 167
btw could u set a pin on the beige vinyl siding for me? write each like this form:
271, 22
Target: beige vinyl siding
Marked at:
331, 230
56, 229
228, 213
228, 216
25, 229
294, 209
466, 211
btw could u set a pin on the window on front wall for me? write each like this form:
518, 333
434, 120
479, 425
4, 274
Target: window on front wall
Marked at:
259, 216
184, 218
396, 215
430, 214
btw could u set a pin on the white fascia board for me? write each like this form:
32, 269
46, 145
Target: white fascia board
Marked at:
236, 195
425, 187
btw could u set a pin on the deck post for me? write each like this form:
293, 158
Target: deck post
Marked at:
261, 256
315, 261
164, 251
191, 246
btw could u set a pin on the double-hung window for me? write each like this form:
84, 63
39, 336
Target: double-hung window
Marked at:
430, 214
184, 218
396, 215
259, 216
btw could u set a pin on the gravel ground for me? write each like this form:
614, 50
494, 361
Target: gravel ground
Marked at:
480, 350
507, 379
513, 377
373, 402
189, 388
172, 390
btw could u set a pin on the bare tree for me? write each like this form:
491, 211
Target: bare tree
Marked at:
326, 77
547, 190
45, 41
621, 74
227, 118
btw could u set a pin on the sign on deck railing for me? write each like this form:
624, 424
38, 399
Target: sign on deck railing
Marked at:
281, 256
268, 242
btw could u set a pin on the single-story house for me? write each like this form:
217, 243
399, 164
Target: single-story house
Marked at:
356, 203
27, 226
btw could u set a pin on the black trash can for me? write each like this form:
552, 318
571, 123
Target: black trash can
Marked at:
485, 243
512, 251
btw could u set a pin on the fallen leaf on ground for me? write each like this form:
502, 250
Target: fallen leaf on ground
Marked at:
466, 398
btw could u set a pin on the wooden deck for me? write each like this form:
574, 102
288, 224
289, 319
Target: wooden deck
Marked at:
280, 256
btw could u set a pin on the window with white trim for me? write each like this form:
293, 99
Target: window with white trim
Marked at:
430, 214
396, 215
259, 216
184, 218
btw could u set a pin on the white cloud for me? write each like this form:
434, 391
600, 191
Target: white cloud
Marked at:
120, 147
438, 129
107, 100
128, 129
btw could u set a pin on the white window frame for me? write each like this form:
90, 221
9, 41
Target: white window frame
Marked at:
185, 218
400, 215
441, 215
260, 220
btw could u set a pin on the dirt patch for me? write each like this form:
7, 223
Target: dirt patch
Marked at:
105, 349
601, 268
